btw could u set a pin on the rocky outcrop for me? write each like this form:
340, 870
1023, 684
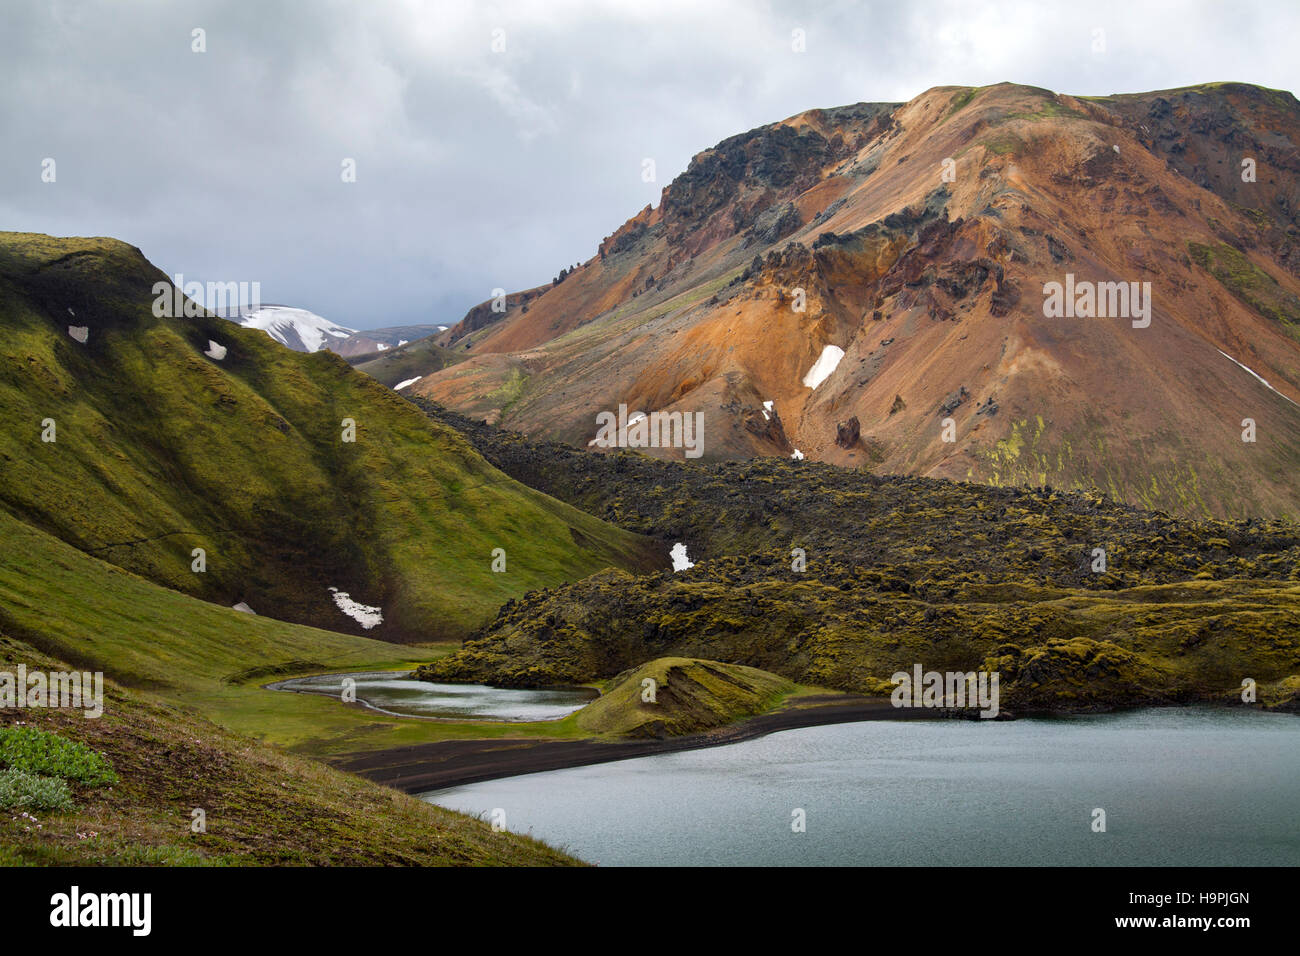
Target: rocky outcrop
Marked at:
848, 433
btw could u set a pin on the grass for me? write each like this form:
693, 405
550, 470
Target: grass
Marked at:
961, 100
206, 657
161, 450
509, 392
211, 659
1003, 144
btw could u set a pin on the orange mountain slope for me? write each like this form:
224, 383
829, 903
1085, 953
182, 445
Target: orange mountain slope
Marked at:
923, 240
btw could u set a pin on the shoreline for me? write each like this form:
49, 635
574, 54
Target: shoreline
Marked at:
443, 765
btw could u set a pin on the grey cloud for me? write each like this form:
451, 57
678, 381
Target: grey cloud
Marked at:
479, 169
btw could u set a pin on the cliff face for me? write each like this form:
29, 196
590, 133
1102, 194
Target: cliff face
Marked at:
1026, 288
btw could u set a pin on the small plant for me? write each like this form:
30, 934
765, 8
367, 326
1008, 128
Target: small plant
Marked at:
20, 790
39, 752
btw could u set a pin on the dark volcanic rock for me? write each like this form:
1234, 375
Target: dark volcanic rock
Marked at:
847, 433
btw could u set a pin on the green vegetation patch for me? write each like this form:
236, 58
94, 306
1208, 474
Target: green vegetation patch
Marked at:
262, 805
1249, 283
20, 790
1003, 144
36, 751
961, 100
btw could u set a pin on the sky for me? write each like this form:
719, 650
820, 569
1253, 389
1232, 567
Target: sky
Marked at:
493, 143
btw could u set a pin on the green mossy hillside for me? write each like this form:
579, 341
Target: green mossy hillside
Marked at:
1249, 283
160, 448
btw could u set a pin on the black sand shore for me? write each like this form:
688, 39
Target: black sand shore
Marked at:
452, 763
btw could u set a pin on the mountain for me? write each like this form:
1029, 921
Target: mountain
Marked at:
409, 362
298, 329
315, 494
372, 342
892, 279
305, 331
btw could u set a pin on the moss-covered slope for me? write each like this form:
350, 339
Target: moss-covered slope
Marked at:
161, 448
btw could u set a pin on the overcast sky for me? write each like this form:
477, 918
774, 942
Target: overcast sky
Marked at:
479, 168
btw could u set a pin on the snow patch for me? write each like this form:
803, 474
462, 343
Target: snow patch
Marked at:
79, 332
798, 455
767, 411
367, 617
410, 381
242, 608
442, 328
284, 324
824, 366
1259, 378
381, 347
401, 342
680, 561
215, 351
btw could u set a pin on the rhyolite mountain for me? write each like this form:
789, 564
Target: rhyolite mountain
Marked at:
312, 491
918, 239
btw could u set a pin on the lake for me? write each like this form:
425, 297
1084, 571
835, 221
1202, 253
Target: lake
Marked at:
1187, 786
395, 693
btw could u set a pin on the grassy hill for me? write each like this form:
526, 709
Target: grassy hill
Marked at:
161, 449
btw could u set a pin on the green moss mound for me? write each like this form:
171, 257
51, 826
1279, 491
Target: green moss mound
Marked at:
678, 695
